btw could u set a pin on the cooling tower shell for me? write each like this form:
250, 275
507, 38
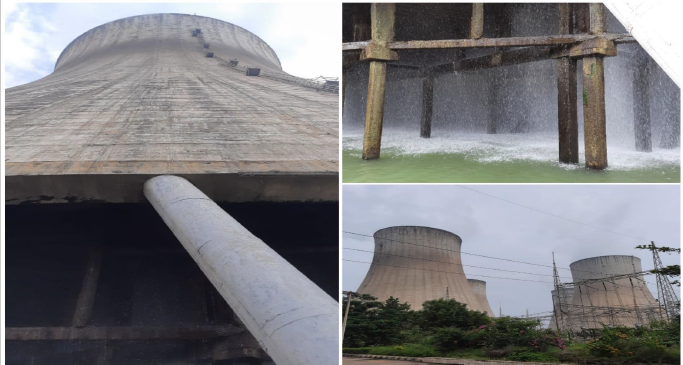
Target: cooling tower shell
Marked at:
616, 302
479, 289
416, 264
137, 97
561, 302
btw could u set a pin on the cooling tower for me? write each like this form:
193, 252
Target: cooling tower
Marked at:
621, 301
561, 302
156, 94
416, 264
479, 289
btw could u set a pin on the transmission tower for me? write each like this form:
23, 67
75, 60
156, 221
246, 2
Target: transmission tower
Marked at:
665, 291
556, 279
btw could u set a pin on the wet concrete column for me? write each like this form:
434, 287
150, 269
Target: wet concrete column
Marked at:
567, 122
503, 28
477, 22
427, 106
641, 105
343, 90
382, 18
594, 119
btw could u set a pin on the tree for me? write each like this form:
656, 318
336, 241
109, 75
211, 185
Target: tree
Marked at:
441, 313
371, 322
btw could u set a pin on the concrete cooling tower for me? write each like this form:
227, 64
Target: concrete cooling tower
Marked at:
416, 264
479, 289
143, 139
169, 93
621, 301
561, 301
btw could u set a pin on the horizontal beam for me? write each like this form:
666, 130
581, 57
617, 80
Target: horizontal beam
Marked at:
119, 333
494, 42
506, 58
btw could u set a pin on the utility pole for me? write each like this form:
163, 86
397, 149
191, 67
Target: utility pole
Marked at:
346, 312
447, 293
500, 309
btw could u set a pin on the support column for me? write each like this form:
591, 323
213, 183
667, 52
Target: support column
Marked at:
477, 22
343, 90
86, 297
294, 320
427, 106
567, 122
594, 119
641, 106
503, 29
382, 16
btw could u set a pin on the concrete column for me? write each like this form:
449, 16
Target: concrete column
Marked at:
343, 90
503, 28
294, 320
477, 22
382, 17
86, 297
594, 119
567, 122
641, 106
427, 106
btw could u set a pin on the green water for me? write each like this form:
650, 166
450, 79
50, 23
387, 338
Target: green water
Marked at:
457, 168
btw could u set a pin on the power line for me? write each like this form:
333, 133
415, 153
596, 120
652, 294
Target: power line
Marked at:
554, 215
450, 272
478, 255
451, 263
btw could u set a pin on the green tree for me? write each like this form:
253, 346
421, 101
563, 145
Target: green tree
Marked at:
442, 313
371, 322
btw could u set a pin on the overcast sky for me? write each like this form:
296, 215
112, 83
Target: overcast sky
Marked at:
496, 228
305, 36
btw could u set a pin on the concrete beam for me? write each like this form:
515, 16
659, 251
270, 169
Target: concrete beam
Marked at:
382, 19
494, 42
294, 320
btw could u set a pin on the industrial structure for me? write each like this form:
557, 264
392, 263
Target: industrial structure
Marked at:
605, 291
222, 244
417, 264
425, 55
479, 289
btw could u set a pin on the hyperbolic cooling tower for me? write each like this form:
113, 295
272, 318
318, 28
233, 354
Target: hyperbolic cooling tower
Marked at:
416, 264
622, 301
479, 289
560, 302
156, 94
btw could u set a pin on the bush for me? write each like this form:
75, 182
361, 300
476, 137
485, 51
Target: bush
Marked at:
360, 350
409, 350
455, 338
444, 313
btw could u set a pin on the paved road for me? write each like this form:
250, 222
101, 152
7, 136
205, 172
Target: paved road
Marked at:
361, 361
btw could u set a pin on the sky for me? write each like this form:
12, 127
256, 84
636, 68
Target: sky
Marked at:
492, 227
305, 36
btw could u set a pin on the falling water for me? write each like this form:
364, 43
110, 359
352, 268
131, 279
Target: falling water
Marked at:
525, 98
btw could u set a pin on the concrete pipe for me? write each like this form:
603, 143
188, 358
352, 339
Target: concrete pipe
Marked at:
294, 320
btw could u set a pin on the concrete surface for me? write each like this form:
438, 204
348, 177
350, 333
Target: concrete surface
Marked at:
479, 289
294, 320
137, 96
416, 264
619, 302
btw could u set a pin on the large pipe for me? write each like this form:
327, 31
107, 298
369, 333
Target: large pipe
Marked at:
294, 320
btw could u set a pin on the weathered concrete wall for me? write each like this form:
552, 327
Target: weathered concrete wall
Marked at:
416, 264
624, 301
138, 97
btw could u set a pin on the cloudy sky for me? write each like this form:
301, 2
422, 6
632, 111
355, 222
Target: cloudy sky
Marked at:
492, 227
305, 36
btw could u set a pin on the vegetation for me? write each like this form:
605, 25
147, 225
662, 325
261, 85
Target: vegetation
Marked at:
672, 271
447, 328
